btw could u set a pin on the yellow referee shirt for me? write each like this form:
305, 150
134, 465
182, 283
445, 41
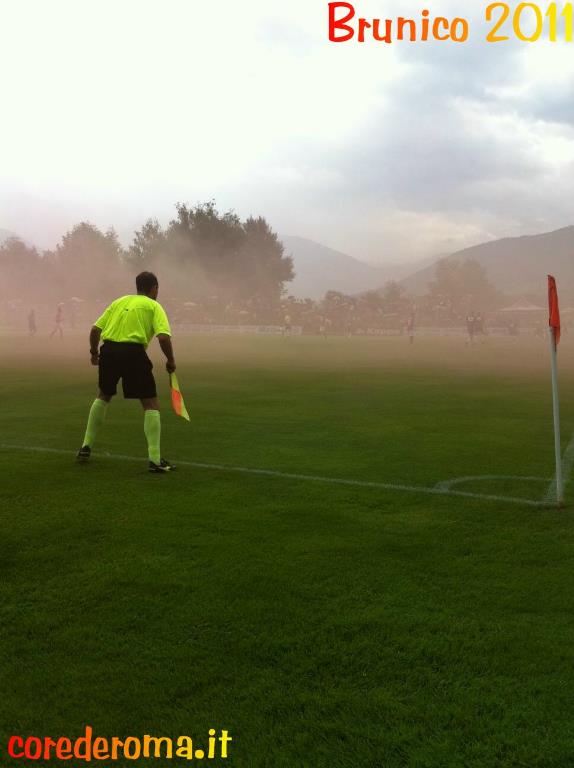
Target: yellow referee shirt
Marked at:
135, 319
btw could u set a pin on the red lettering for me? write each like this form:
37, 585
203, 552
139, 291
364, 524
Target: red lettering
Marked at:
340, 24
15, 740
363, 25
33, 741
401, 24
386, 38
64, 749
48, 744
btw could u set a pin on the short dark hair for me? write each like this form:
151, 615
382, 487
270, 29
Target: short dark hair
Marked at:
145, 282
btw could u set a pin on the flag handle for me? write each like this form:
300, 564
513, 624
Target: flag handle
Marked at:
556, 414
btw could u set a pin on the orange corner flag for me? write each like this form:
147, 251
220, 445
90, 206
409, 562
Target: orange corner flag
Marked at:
554, 319
177, 398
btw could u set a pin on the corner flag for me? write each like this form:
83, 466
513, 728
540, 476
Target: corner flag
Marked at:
554, 336
554, 319
177, 398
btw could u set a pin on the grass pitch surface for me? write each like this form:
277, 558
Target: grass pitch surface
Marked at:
321, 624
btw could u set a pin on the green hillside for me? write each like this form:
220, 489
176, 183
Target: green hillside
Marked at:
516, 265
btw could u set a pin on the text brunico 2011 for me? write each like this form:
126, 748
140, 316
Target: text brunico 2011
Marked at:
89, 747
526, 22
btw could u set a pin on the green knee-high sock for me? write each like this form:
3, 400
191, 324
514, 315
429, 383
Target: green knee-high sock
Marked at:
152, 430
95, 421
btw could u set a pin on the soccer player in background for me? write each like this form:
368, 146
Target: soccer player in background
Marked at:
470, 328
126, 328
59, 319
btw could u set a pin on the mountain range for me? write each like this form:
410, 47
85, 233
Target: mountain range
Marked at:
319, 269
515, 265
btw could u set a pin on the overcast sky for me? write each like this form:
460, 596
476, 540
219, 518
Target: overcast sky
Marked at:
113, 110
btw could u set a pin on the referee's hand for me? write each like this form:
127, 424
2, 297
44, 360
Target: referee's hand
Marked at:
170, 366
95, 359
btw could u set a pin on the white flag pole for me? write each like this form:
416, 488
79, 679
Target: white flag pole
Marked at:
556, 411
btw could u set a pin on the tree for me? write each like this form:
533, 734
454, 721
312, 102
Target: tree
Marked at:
266, 269
147, 248
203, 255
204, 236
338, 308
19, 269
372, 303
393, 296
216, 254
89, 261
16, 255
461, 286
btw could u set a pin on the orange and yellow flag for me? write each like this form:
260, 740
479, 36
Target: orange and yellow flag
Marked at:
177, 398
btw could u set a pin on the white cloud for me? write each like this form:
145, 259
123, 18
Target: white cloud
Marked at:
115, 110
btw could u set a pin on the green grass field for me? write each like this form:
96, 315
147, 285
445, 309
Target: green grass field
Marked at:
322, 624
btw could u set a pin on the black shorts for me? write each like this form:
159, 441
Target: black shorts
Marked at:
130, 363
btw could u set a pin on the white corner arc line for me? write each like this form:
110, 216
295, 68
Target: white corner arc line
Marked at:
567, 467
432, 491
446, 485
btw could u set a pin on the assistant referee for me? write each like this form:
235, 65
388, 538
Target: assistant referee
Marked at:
126, 328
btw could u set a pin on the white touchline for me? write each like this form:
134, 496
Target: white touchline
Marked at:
435, 491
567, 466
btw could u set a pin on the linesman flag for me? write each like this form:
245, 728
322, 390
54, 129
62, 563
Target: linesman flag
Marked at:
177, 398
554, 319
